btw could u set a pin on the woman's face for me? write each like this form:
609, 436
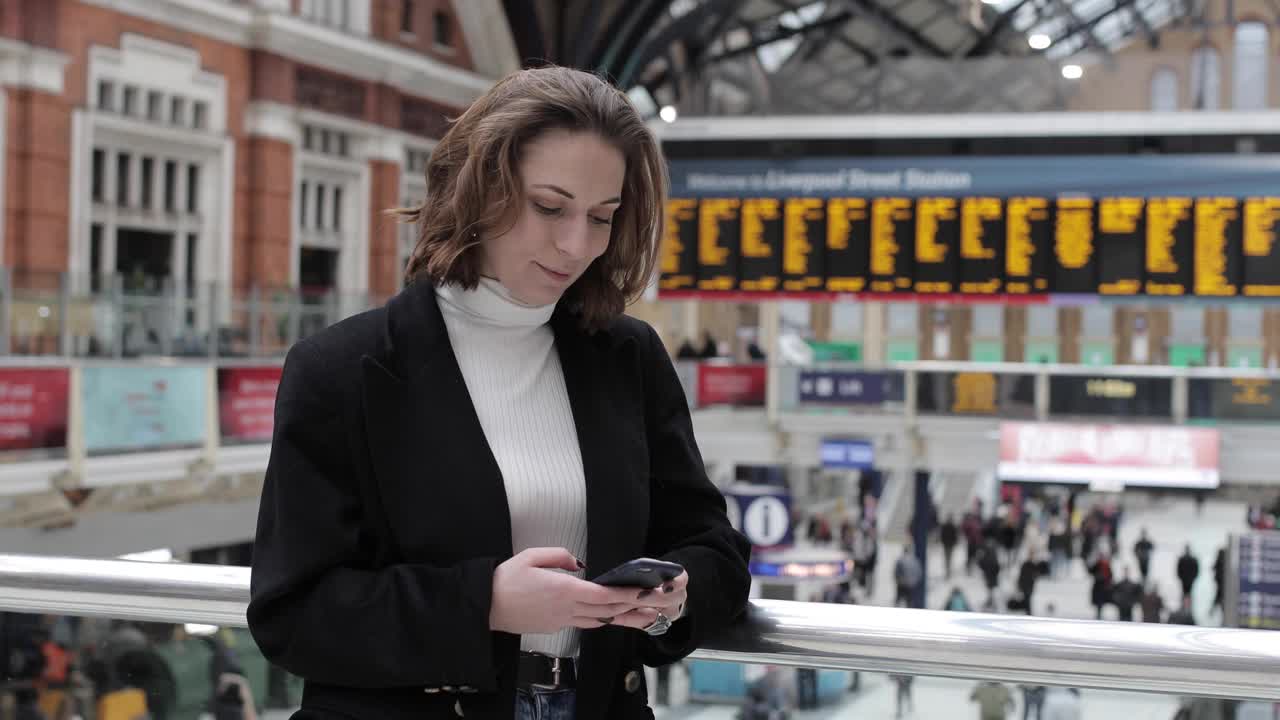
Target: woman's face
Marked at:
572, 186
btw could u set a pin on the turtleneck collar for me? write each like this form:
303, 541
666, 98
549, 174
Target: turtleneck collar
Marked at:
490, 303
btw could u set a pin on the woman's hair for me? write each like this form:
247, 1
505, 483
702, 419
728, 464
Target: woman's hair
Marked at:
474, 186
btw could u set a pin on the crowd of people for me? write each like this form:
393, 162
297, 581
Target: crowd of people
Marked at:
68, 668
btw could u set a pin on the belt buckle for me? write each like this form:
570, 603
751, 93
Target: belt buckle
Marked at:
556, 670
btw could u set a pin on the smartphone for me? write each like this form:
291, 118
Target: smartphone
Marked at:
642, 573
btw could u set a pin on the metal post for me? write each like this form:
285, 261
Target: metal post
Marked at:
212, 349
1042, 394
64, 314
117, 313
1180, 399
255, 321
295, 317
6, 308
168, 315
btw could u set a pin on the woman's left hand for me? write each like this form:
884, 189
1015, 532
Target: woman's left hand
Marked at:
668, 599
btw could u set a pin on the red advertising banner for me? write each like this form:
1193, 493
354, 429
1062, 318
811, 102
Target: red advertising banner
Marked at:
33, 408
1109, 457
246, 402
741, 385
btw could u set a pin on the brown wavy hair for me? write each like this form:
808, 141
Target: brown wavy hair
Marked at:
474, 186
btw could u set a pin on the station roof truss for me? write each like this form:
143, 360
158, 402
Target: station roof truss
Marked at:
717, 57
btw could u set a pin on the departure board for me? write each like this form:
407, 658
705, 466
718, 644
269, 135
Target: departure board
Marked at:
892, 240
981, 246
848, 244
760, 266
937, 235
1028, 239
804, 237
679, 264
1261, 256
1075, 257
1120, 242
719, 228
1218, 247
1170, 246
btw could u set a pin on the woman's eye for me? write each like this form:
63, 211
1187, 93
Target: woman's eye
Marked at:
546, 210
601, 221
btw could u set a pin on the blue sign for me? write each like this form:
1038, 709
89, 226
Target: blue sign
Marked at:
843, 387
144, 408
1117, 175
852, 454
763, 514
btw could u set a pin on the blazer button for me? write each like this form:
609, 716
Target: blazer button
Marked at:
632, 681
431, 690
457, 708
448, 688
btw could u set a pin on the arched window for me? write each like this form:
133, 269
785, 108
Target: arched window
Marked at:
1249, 89
1164, 90
1206, 79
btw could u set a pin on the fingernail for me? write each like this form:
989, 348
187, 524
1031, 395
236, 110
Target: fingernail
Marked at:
644, 594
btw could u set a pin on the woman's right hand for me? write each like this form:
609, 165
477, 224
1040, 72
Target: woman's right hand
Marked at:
531, 596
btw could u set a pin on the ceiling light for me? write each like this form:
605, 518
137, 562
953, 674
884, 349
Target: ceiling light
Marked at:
668, 113
1072, 72
1039, 41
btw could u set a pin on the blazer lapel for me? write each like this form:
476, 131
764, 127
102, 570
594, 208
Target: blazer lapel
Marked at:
440, 484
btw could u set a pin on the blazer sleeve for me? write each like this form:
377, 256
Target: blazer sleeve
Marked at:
318, 606
687, 520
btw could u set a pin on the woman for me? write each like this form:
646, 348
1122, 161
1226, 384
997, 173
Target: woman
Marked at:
442, 467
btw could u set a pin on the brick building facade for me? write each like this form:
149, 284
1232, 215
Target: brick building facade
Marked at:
229, 147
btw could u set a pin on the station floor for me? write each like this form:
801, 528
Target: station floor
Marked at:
1171, 523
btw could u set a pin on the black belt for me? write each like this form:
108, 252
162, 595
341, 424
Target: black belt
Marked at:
544, 671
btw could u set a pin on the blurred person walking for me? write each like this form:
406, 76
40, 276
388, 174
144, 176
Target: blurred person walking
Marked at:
1188, 571
949, 534
907, 575
989, 564
994, 700
1100, 593
1126, 595
1219, 578
1152, 605
1142, 550
903, 695
971, 526
1033, 701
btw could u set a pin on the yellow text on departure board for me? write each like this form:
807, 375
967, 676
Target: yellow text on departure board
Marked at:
974, 213
842, 213
1119, 216
1073, 233
796, 248
1020, 248
929, 213
678, 210
886, 213
1163, 217
1212, 217
1260, 218
1251, 391
975, 392
755, 213
713, 251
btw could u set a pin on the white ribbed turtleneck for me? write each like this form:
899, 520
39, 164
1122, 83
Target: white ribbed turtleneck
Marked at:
506, 351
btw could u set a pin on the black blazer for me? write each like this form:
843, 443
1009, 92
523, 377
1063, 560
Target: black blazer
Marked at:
384, 515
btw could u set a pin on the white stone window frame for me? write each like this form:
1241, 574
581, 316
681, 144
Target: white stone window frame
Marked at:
351, 173
154, 66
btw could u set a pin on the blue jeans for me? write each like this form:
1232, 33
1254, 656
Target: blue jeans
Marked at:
544, 704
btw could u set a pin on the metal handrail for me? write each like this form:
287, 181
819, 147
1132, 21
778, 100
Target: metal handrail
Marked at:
1184, 660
